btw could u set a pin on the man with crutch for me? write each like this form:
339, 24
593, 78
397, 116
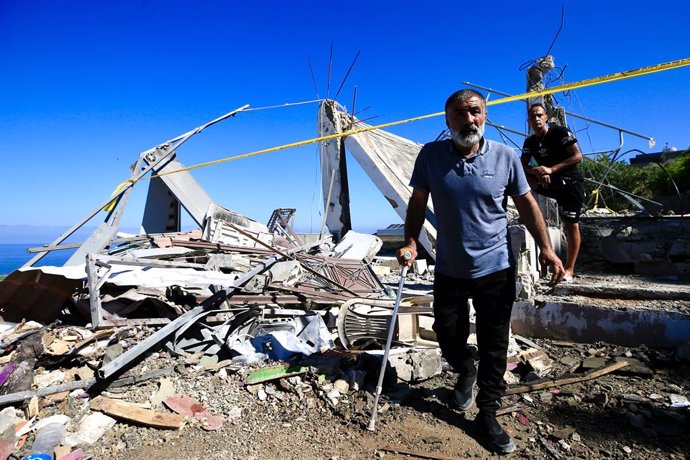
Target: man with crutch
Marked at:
470, 179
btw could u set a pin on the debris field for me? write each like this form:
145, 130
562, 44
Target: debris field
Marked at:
281, 359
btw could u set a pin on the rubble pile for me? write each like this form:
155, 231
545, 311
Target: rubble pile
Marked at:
232, 295
244, 344
318, 407
640, 244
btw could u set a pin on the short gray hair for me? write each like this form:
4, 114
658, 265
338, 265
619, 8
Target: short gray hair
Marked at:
463, 95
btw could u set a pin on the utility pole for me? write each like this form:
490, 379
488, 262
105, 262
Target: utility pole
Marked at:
535, 82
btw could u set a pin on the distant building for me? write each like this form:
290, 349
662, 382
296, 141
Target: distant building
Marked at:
669, 153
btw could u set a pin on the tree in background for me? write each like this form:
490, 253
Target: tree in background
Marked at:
649, 181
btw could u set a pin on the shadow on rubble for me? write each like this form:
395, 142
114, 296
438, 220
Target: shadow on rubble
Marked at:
665, 429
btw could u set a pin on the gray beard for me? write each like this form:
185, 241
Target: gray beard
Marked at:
467, 140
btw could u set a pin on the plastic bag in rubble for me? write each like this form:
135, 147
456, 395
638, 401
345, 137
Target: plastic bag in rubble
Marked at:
282, 345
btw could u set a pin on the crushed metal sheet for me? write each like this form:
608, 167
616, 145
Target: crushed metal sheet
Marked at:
352, 274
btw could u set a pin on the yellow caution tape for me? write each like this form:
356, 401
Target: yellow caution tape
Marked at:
566, 87
111, 205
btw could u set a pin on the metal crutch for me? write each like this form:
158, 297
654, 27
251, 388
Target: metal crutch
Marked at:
389, 340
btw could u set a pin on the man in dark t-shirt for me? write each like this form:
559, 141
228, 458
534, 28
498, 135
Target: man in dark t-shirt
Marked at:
557, 154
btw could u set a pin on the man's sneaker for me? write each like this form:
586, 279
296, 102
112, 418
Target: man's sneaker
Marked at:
463, 392
497, 439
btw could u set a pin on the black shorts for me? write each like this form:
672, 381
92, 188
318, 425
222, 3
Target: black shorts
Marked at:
569, 193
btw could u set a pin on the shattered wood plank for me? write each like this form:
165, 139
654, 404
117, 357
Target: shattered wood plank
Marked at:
528, 342
98, 335
541, 385
563, 343
273, 373
508, 410
133, 413
416, 453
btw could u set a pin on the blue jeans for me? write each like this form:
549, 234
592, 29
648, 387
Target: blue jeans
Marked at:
492, 296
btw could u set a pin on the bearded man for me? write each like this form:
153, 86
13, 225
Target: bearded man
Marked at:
470, 179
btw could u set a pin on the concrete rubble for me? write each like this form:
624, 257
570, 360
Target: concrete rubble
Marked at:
217, 300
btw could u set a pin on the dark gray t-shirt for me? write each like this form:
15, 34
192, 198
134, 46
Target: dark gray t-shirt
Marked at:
470, 203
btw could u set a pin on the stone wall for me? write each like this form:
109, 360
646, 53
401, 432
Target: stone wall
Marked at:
644, 245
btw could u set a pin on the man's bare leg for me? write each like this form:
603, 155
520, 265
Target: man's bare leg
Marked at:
572, 235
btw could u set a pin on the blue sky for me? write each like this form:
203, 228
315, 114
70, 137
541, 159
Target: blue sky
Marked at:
86, 86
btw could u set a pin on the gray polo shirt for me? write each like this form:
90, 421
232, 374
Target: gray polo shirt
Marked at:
470, 204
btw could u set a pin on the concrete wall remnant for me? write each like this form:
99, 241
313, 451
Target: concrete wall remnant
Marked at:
591, 323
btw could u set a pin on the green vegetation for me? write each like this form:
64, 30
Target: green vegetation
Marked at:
648, 181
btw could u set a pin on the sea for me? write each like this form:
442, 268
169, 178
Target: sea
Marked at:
14, 255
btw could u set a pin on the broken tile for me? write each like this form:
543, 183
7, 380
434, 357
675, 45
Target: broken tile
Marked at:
183, 405
76, 454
